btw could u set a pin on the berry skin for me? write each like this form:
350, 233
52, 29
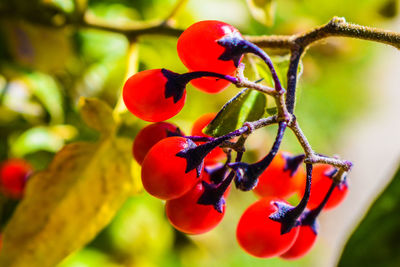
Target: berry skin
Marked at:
189, 217
149, 136
197, 130
303, 244
210, 85
278, 182
163, 173
260, 236
198, 48
13, 176
144, 96
320, 185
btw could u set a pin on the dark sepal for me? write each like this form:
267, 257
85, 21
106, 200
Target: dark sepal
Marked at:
309, 218
235, 46
246, 176
286, 216
177, 132
217, 174
212, 196
332, 173
293, 163
194, 160
195, 155
175, 86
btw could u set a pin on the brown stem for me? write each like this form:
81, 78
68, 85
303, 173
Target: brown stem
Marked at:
336, 27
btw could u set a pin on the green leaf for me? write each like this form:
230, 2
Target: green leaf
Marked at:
67, 6
262, 10
49, 139
248, 105
45, 88
97, 114
281, 64
66, 205
376, 240
272, 111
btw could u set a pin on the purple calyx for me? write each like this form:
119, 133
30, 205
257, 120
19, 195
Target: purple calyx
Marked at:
293, 163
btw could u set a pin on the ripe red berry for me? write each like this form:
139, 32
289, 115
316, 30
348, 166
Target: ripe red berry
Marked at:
149, 136
197, 130
13, 176
260, 236
320, 185
144, 96
189, 217
210, 85
163, 173
278, 180
303, 244
198, 48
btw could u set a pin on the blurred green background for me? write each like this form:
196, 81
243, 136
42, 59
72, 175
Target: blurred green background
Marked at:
45, 67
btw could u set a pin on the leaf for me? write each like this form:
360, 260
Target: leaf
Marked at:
39, 138
45, 88
66, 205
97, 114
281, 64
262, 10
376, 240
66, 6
248, 105
272, 111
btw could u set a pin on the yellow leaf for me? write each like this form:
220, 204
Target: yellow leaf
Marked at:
66, 205
97, 114
262, 10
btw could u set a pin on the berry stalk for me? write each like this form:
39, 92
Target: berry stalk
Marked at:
247, 174
310, 217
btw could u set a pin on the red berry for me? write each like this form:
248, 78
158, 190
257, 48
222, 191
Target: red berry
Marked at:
13, 177
303, 244
189, 217
278, 182
210, 85
198, 48
260, 236
149, 136
197, 130
320, 185
163, 173
144, 96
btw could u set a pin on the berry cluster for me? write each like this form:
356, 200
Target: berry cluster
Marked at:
187, 171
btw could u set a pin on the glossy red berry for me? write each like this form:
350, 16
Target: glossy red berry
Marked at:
189, 217
197, 130
149, 136
163, 173
303, 244
13, 176
198, 48
260, 236
144, 96
320, 185
278, 180
210, 85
